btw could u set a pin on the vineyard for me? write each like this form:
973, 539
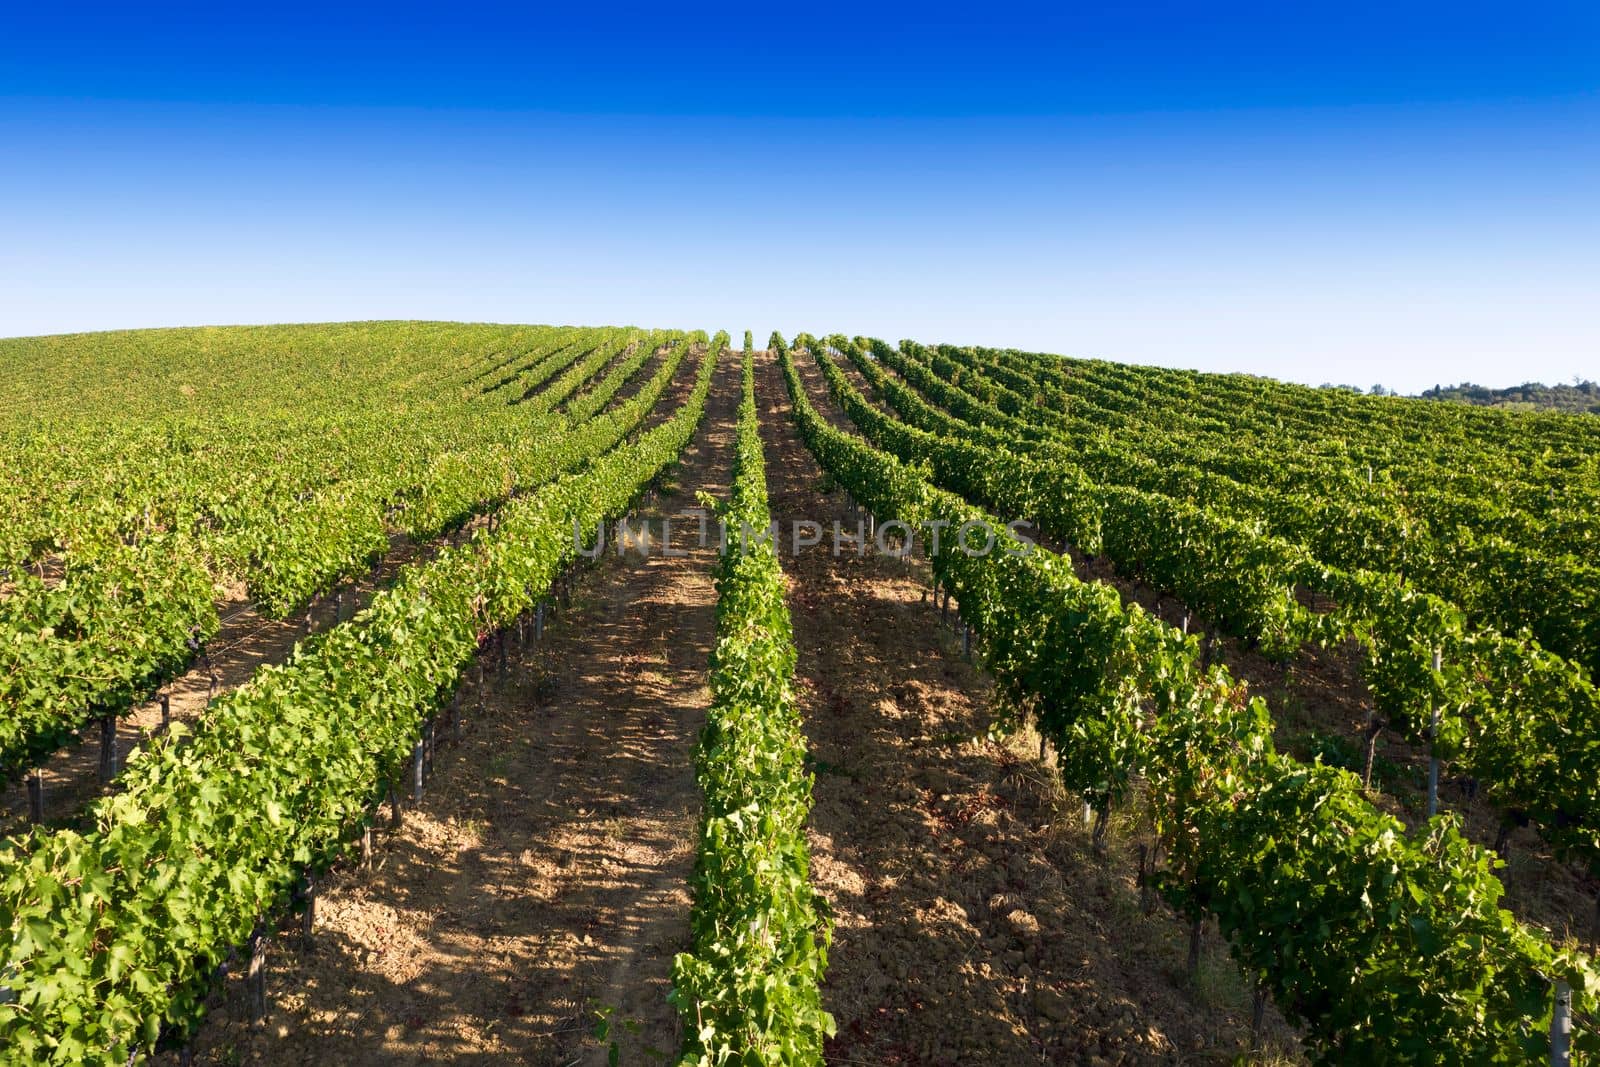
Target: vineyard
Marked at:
406, 691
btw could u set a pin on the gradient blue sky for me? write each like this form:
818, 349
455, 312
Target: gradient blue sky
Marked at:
1362, 193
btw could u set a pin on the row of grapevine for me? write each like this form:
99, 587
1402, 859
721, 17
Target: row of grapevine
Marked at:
558, 391
1381, 945
1508, 711
1509, 559
128, 548
1463, 450
81, 649
1460, 449
590, 402
748, 987
116, 932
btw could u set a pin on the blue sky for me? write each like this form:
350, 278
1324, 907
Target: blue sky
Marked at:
1355, 193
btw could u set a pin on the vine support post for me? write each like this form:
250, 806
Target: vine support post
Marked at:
966, 641
108, 748
36, 797
538, 622
166, 712
1561, 1026
1433, 749
418, 757
308, 919
394, 807
1370, 749
257, 978
1196, 935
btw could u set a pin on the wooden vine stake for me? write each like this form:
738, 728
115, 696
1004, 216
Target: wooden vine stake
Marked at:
166, 712
417, 758
538, 622
1433, 750
1561, 1027
36, 797
308, 918
108, 748
1370, 748
256, 982
1196, 937
213, 683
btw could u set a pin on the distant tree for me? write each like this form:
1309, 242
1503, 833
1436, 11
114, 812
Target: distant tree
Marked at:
1579, 397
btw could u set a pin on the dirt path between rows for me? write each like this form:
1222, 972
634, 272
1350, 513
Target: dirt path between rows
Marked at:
973, 920
542, 880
